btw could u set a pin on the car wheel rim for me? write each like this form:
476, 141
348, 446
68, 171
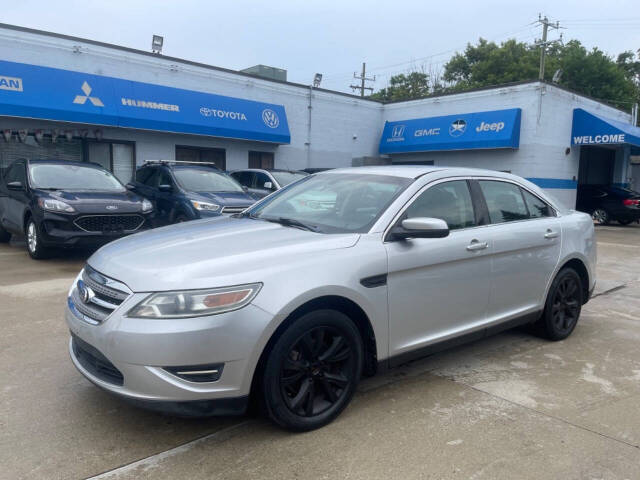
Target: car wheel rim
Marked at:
566, 305
599, 216
32, 237
316, 371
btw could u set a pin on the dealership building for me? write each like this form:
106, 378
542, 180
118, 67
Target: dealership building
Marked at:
76, 99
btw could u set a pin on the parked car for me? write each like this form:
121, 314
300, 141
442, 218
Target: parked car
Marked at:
607, 203
182, 191
262, 182
293, 306
57, 203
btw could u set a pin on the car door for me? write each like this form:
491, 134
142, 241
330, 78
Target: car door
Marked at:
438, 287
165, 190
15, 201
526, 237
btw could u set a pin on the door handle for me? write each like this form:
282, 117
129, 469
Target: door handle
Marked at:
550, 234
476, 245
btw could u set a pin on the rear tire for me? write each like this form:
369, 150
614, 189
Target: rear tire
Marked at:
601, 216
625, 222
34, 241
312, 371
563, 306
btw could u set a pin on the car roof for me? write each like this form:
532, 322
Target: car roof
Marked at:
51, 161
267, 170
416, 171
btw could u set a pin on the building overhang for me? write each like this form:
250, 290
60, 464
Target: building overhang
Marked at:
591, 129
468, 131
31, 91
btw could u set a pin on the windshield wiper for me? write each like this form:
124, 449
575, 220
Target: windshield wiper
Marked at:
291, 222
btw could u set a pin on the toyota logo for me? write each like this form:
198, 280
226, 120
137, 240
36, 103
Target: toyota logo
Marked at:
270, 118
457, 128
85, 293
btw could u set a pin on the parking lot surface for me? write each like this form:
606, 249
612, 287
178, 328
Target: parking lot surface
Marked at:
510, 406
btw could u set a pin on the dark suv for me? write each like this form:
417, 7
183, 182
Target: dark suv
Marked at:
57, 203
261, 182
182, 191
606, 203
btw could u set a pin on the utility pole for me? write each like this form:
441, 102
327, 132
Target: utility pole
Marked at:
546, 24
363, 78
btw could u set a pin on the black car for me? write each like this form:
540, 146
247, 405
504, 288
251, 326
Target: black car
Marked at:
58, 203
182, 191
606, 203
261, 182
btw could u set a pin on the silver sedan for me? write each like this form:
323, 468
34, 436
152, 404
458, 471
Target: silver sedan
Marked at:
338, 275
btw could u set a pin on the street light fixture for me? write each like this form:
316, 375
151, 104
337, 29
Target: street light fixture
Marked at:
317, 78
156, 44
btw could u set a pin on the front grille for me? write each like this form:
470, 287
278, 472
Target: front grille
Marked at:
230, 210
95, 362
110, 223
103, 295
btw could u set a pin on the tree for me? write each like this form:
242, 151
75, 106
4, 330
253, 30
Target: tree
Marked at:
404, 87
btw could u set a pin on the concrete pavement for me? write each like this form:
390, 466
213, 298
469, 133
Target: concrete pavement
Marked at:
511, 406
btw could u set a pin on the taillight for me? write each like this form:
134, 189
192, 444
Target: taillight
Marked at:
631, 203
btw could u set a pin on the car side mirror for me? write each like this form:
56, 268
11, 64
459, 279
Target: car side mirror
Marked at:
420, 227
15, 186
165, 188
268, 185
130, 186
245, 189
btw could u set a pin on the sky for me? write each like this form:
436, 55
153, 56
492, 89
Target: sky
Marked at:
329, 37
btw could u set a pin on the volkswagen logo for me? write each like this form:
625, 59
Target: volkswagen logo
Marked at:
270, 118
111, 207
85, 293
457, 128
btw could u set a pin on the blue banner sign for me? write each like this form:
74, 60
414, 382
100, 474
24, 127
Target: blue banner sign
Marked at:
591, 129
467, 131
52, 94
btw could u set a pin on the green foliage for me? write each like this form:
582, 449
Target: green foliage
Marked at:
589, 72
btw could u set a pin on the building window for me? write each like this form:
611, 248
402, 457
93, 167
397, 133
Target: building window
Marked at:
261, 160
117, 157
206, 155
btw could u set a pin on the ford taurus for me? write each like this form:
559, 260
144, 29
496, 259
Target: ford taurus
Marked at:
293, 300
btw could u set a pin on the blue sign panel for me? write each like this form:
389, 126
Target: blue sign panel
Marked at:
591, 129
494, 129
53, 94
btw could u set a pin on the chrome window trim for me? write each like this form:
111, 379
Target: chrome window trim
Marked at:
437, 181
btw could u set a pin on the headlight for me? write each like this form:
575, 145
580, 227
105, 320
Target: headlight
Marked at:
55, 205
210, 207
147, 206
195, 303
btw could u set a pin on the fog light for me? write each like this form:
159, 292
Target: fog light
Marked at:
198, 373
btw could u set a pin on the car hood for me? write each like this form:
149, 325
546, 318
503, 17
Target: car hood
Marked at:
210, 253
85, 201
225, 199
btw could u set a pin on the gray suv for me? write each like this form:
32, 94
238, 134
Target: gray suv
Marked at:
338, 275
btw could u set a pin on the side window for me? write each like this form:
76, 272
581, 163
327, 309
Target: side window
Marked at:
165, 177
16, 174
504, 201
537, 208
152, 179
450, 201
261, 178
143, 174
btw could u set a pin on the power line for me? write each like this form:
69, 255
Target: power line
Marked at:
546, 24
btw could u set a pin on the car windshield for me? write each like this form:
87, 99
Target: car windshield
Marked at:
72, 177
285, 178
332, 202
201, 180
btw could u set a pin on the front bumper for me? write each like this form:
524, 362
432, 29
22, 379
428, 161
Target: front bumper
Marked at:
60, 230
141, 349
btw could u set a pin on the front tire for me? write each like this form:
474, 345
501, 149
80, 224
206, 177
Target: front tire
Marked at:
34, 241
563, 306
312, 371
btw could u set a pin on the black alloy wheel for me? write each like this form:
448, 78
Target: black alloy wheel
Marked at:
564, 304
312, 371
600, 216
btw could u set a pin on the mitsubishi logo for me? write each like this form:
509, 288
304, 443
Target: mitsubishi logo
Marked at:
81, 99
